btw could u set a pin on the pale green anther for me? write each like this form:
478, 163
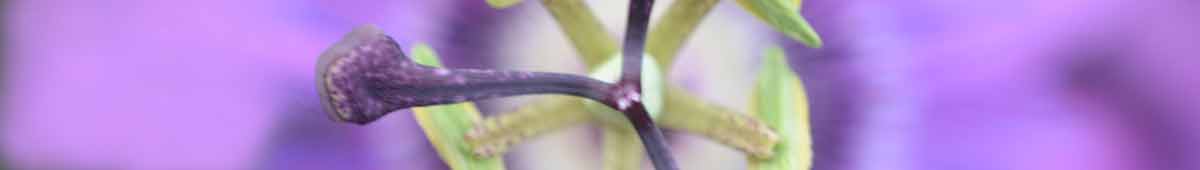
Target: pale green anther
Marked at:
744, 132
784, 16
583, 29
445, 125
780, 101
652, 89
675, 27
501, 4
493, 135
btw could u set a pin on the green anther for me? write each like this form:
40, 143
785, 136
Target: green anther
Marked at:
501, 4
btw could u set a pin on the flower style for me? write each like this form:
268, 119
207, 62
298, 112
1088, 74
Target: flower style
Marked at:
367, 75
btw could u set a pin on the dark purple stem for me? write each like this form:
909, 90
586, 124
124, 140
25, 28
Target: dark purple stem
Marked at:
431, 86
635, 39
367, 76
626, 96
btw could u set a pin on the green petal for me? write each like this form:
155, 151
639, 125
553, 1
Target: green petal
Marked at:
784, 16
781, 103
501, 4
446, 125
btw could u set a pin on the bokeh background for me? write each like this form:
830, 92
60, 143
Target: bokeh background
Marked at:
904, 85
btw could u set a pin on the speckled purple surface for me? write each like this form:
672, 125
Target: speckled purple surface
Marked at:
366, 75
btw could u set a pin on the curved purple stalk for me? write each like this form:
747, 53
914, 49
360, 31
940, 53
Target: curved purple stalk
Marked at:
626, 96
367, 76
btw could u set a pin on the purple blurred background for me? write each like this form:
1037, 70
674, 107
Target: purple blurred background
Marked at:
916, 84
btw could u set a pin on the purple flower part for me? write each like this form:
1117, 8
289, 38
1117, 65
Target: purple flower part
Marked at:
367, 75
